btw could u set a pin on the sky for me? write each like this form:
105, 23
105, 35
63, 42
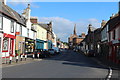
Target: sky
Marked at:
65, 15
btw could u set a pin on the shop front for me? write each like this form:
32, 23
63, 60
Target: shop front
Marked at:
8, 46
39, 44
20, 45
29, 45
114, 51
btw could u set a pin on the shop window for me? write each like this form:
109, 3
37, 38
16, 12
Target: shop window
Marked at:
12, 27
118, 52
1, 22
5, 44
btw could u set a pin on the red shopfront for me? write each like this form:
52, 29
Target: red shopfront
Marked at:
114, 52
8, 47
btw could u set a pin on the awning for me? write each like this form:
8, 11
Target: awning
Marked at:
9, 36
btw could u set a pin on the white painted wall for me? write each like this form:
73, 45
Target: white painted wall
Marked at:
31, 34
24, 31
7, 26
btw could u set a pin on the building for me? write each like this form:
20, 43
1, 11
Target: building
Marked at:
90, 37
72, 36
114, 38
97, 41
1, 39
8, 31
41, 39
77, 41
31, 32
48, 27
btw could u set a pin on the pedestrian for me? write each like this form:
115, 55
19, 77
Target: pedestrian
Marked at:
16, 57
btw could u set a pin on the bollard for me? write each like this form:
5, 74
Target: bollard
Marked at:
38, 55
25, 57
10, 59
21, 57
16, 58
33, 56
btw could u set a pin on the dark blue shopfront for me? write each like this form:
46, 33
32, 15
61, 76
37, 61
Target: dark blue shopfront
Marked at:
39, 44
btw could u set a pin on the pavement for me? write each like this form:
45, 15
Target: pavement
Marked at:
114, 69
68, 64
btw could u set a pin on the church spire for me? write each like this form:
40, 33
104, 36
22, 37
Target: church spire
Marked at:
75, 30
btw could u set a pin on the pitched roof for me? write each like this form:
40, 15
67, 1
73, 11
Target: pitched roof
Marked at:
44, 26
13, 14
113, 22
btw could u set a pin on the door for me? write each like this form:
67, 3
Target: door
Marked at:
11, 46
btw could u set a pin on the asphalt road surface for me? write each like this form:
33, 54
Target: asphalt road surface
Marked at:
68, 64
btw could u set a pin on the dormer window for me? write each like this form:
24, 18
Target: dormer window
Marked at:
1, 22
12, 27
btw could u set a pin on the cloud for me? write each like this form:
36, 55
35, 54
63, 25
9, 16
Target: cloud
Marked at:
17, 2
64, 27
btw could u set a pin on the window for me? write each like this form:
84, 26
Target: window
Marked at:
5, 44
114, 34
21, 30
28, 32
12, 27
1, 22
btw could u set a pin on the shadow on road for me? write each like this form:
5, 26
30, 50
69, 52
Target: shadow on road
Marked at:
76, 59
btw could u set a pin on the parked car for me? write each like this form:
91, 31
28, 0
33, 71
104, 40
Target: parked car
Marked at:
57, 51
51, 51
91, 53
46, 53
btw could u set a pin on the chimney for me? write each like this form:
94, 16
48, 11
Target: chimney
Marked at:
34, 20
103, 23
4, 2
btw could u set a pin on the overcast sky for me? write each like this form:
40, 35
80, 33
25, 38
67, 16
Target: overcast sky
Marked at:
65, 14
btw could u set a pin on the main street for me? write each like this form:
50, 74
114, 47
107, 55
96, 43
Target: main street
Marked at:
68, 64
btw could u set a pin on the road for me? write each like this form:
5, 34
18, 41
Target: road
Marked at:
68, 64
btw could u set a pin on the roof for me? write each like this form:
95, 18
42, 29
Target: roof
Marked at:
13, 14
113, 22
44, 26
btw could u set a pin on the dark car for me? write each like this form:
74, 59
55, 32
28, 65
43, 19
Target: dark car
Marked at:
91, 53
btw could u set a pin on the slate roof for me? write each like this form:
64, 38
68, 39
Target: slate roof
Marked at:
12, 14
44, 26
113, 22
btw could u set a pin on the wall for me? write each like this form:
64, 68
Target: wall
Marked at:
1, 38
6, 29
